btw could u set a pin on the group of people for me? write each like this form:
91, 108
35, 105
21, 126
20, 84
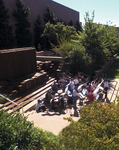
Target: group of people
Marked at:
68, 89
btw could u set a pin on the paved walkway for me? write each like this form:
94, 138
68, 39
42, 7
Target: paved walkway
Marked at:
54, 122
51, 121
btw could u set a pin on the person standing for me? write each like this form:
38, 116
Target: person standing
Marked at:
91, 96
75, 96
39, 47
106, 85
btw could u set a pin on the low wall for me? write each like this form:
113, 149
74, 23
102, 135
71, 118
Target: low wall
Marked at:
17, 63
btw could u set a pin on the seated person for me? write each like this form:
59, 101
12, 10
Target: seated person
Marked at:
40, 106
76, 81
54, 87
48, 96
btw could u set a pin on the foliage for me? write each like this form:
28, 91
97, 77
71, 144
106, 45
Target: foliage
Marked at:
17, 133
23, 34
91, 47
79, 60
97, 129
100, 41
49, 16
38, 30
49, 35
3, 100
113, 70
78, 26
71, 23
6, 35
53, 35
91, 40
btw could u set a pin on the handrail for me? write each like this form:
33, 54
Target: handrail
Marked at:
113, 90
8, 99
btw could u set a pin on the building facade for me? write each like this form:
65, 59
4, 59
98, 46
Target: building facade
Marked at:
38, 7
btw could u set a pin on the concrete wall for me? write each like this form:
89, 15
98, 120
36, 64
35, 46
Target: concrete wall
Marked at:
17, 63
39, 7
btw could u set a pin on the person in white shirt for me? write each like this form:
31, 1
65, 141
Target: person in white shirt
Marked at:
106, 85
40, 106
71, 84
75, 96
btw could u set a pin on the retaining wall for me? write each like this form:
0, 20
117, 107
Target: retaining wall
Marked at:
17, 63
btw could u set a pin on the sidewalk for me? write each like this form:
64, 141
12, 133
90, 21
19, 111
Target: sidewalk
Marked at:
50, 121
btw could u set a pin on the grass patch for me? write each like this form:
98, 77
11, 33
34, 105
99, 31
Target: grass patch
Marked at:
113, 70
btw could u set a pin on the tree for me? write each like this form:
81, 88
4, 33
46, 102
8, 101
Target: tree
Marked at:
38, 30
100, 41
71, 23
23, 34
55, 34
6, 35
49, 35
78, 26
49, 16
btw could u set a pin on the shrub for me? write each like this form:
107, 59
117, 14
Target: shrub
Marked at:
2, 100
98, 128
18, 133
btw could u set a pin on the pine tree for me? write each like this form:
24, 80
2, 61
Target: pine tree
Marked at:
38, 30
49, 16
6, 35
23, 33
78, 26
71, 23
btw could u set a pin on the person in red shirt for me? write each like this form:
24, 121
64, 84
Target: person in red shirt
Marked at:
91, 96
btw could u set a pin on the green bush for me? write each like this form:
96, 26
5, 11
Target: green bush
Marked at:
98, 129
18, 133
2, 100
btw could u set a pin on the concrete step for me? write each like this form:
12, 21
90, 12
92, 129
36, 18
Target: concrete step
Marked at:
114, 92
8, 103
24, 101
112, 86
32, 105
35, 90
31, 95
4, 108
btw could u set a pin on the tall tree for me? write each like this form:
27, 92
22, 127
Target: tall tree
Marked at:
23, 33
6, 35
71, 23
38, 30
99, 41
49, 16
78, 26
